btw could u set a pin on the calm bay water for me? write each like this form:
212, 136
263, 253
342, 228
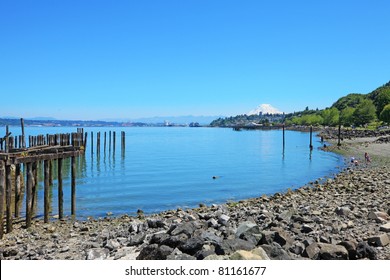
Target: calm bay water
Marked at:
165, 168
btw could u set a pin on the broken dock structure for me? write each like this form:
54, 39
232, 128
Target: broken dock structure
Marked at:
43, 150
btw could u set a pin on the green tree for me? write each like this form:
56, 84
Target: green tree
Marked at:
330, 116
385, 114
351, 100
382, 99
365, 113
346, 116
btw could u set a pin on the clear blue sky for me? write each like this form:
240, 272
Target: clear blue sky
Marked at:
126, 59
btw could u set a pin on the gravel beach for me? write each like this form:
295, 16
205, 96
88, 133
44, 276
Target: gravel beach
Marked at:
345, 217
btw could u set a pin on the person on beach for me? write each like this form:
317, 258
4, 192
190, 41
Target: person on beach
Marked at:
354, 161
367, 157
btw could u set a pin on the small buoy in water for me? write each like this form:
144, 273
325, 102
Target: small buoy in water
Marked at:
215, 177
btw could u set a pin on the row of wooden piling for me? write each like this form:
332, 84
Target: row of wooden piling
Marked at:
44, 150
111, 141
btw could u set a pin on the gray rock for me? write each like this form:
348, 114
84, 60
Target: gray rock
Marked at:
112, 244
186, 228
283, 238
216, 258
267, 237
212, 223
381, 240
176, 240
276, 252
306, 229
97, 254
210, 237
223, 219
192, 245
332, 252
155, 223
364, 250
247, 255
343, 211
250, 232
286, 215
312, 251
155, 252
382, 216
228, 246
351, 246
137, 239
385, 228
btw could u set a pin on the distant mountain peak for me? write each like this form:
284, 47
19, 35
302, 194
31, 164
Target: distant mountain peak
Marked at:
265, 109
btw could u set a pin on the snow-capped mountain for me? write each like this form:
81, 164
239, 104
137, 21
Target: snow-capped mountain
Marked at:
265, 109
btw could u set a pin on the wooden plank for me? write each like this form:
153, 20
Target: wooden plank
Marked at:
46, 202
6, 148
8, 185
18, 189
50, 172
23, 136
60, 191
29, 187
2, 197
73, 194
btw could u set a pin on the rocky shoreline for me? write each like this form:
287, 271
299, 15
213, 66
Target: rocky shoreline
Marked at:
346, 217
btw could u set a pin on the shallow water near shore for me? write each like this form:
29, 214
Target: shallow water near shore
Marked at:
167, 167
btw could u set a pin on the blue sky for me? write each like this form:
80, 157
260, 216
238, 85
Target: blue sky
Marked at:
127, 59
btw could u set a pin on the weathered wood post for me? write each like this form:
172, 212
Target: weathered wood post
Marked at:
105, 141
18, 189
2, 196
46, 200
284, 137
23, 136
6, 139
98, 143
113, 141
311, 138
51, 172
109, 142
339, 136
85, 141
29, 187
91, 142
8, 184
60, 191
73, 194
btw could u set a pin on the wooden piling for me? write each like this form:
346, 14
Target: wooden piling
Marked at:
8, 192
109, 141
311, 138
8, 185
18, 189
23, 136
91, 142
339, 136
105, 138
284, 137
60, 191
85, 141
98, 143
73, 194
2, 196
51, 172
113, 141
46, 202
29, 187
6, 139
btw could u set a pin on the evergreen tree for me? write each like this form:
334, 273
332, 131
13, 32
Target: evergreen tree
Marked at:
365, 113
